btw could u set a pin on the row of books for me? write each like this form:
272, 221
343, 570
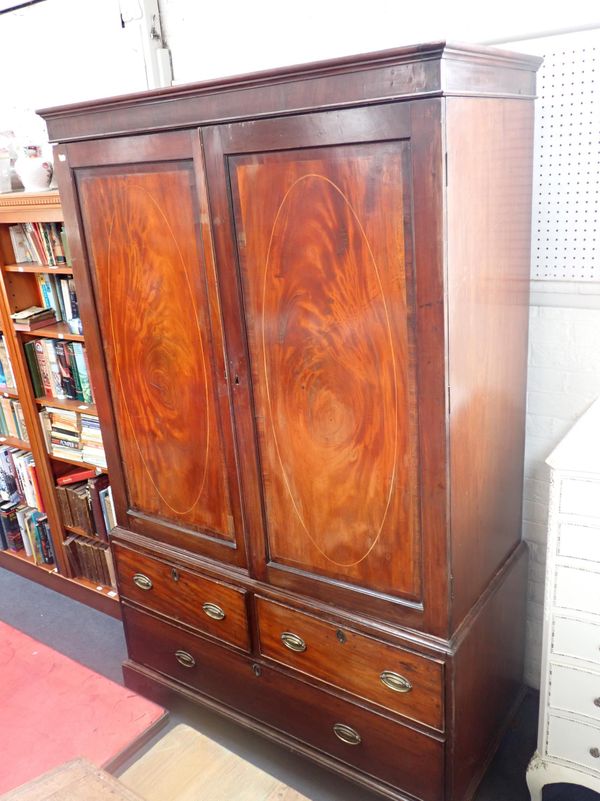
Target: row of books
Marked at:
18, 478
39, 243
91, 559
12, 421
73, 435
7, 377
26, 528
58, 294
87, 505
59, 369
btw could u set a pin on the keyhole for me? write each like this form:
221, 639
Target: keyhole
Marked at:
174, 574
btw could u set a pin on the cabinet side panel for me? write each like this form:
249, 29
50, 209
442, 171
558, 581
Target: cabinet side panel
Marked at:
489, 222
487, 683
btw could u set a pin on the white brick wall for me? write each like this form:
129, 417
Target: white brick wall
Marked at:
563, 380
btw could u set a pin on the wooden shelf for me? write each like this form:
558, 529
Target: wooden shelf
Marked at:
105, 599
54, 331
81, 533
76, 463
13, 442
29, 267
68, 405
20, 293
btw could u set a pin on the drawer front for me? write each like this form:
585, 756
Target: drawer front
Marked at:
395, 754
580, 497
215, 608
577, 589
579, 541
392, 677
577, 638
574, 742
574, 690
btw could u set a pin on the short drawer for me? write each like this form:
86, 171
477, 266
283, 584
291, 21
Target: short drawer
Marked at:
406, 759
579, 496
576, 638
212, 607
575, 742
577, 589
579, 541
575, 690
396, 679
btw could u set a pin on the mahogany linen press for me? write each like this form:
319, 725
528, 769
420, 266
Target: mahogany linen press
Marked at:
305, 294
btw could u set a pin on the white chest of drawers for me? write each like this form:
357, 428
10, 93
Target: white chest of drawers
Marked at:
569, 726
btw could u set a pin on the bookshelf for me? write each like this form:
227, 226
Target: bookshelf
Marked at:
19, 289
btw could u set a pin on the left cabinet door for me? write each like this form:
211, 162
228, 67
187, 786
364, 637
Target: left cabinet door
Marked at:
153, 304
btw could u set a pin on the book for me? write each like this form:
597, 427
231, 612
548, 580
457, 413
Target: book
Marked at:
20, 244
53, 368
84, 379
34, 369
40, 354
10, 488
6, 365
64, 366
21, 513
10, 526
75, 475
32, 317
95, 486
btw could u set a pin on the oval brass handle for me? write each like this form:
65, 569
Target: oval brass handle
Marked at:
347, 734
142, 581
185, 660
595, 752
213, 611
293, 642
396, 682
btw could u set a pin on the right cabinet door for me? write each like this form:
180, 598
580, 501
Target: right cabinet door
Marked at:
321, 237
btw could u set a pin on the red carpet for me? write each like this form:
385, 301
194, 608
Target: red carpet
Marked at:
53, 709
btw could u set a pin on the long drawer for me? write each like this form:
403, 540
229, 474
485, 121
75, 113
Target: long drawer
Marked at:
575, 690
576, 638
392, 677
215, 608
406, 759
574, 742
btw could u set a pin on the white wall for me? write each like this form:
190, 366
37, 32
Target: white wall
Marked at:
217, 39
62, 51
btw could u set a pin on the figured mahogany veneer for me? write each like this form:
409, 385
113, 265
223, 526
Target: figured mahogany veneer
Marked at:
305, 297
358, 664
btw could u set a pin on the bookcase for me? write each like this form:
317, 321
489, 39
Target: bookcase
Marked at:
19, 289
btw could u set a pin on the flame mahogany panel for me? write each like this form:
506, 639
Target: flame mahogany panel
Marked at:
329, 321
153, 309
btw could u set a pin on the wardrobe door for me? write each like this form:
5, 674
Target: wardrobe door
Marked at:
321, 238
157, 306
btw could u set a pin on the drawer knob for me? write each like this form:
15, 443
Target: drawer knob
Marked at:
213, 611
596, 701
142, 581
347, 734
293, 642
185, 660
396, 682
595, 752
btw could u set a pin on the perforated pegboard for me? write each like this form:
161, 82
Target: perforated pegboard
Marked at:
566, 198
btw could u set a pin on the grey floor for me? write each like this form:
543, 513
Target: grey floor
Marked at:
97, 641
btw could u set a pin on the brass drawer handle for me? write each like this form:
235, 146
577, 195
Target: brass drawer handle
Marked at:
347, 734
396, 682
185, 660
142, 581
213, 611
293, 642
